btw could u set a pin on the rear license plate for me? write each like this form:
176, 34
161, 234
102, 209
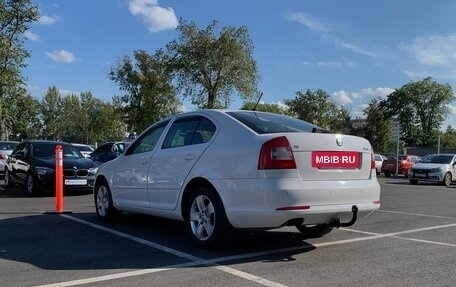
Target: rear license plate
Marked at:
335, 159
75, 181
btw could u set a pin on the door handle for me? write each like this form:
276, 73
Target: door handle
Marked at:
189, 156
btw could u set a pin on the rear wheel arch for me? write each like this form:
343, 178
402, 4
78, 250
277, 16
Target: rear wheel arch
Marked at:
190, 188
204, 214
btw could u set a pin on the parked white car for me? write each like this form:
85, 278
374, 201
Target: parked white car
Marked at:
84, 149
6, 148
379, 158
219, 170
439, 168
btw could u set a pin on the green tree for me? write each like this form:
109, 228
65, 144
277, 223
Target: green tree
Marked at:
317, 108
448, 138
21, 116
149, 93
378, 129
210, 66
52, 113
421, 108
108, 122
15, 15
71, 124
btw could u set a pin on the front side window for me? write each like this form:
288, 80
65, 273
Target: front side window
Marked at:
149, 139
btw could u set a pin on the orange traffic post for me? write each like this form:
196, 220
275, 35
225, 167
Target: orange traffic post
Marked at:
58, 181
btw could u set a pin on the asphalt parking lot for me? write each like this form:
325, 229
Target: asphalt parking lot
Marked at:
411, 241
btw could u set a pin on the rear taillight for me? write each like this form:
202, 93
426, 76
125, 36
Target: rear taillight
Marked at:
276, 154
373, 161
2, 157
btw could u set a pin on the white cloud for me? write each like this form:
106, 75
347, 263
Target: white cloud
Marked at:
155, 17
356, 102
356, 49
62, 56
309, 22
374, 93
434, 50
349, 64
432, 55
48, 20
31, 36
330, 34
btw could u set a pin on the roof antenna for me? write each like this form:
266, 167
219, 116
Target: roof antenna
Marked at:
258, 101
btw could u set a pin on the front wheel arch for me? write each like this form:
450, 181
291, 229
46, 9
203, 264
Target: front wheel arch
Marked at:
104, 205
447, 179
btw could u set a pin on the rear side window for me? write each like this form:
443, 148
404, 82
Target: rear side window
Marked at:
189, 131
265, 123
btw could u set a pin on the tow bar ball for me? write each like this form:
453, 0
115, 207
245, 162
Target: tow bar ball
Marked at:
336, 221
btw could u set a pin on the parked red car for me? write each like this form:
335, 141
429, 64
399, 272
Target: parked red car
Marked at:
405, 162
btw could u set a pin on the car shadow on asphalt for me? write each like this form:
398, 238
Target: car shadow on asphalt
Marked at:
18, 191
53, 242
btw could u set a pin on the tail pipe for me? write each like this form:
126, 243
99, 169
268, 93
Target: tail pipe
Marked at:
336, 221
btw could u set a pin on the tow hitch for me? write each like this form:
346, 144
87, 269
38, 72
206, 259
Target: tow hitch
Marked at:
336, 221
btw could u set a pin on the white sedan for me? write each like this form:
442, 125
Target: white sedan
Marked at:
221, 170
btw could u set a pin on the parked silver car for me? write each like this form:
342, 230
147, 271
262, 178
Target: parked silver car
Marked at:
439, 168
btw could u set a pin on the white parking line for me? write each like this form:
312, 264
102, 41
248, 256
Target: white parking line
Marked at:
196, 261
415, 214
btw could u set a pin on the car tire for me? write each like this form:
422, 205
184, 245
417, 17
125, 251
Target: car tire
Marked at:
7, 179
314, 231
413, 181
447, 179
104, 206
31, 185
387, 174
206, 220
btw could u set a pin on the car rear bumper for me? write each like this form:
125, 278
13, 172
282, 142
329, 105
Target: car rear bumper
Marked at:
272, 203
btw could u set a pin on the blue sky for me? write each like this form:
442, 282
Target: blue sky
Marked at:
356, 50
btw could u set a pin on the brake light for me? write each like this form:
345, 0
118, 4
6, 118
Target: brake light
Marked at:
276, 154
2, 157
373, 161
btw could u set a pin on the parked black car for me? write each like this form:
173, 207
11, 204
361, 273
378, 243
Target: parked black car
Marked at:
108, 151
32, 164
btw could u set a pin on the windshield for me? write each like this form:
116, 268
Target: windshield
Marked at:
7, 145
438, 159
48, 150
264, 123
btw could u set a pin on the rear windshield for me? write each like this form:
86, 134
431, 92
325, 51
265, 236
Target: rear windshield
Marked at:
264, 123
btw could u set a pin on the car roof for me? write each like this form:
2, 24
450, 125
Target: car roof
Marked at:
47, 141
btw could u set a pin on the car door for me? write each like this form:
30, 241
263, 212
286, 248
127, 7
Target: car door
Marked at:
19, 162
185, 141
129, 179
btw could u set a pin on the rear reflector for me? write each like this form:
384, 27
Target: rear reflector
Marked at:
276, 154
300, 207
376, 202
